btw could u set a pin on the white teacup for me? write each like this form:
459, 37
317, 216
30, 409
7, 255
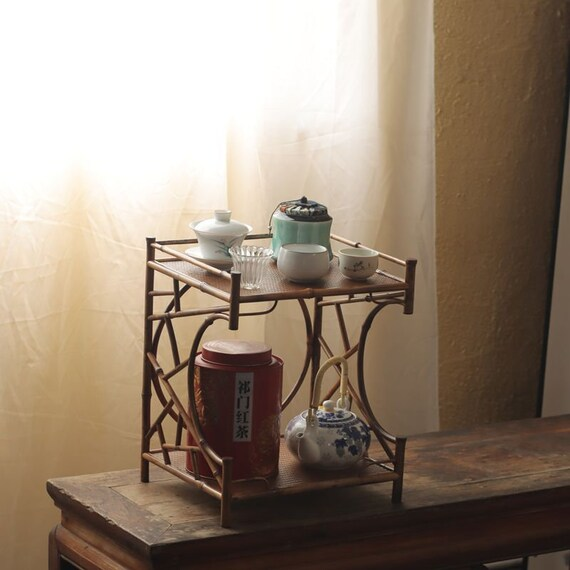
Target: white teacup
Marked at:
303, 262
357, 263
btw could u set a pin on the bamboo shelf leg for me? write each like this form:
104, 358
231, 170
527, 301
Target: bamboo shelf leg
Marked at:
147, 372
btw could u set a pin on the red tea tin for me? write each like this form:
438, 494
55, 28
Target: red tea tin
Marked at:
238, 388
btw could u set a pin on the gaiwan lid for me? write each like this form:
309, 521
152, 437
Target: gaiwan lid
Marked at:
304, 210
221, 225
236, 352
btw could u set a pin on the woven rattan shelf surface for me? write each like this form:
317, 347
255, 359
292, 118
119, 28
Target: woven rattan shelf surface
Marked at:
294, 478
275, 286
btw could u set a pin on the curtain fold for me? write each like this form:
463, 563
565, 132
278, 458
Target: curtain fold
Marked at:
124, 120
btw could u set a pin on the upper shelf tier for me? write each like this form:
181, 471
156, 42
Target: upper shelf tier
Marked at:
274, 286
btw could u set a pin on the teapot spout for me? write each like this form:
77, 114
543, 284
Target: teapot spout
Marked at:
308, 449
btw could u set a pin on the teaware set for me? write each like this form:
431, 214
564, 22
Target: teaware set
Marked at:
300, 246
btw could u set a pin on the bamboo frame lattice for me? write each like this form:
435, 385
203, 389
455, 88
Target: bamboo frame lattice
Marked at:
175, 399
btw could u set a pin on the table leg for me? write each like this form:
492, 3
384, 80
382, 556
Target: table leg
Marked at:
54, 559
68, 551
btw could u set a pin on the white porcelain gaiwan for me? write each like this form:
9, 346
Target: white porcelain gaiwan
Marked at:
330, 437
218, 234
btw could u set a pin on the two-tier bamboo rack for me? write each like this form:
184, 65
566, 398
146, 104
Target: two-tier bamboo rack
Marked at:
174, 387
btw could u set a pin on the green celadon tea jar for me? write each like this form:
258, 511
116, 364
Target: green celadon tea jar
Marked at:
300, 221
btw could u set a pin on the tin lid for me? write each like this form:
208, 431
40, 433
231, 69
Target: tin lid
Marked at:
236, 352
304, 210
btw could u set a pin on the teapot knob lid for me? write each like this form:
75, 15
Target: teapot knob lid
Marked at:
328, 405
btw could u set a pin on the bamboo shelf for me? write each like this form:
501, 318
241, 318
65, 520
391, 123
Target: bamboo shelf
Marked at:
392, 284
291, 479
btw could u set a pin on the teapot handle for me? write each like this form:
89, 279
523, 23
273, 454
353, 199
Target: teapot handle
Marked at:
342, 401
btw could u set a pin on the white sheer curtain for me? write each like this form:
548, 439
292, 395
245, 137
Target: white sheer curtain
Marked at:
124, 119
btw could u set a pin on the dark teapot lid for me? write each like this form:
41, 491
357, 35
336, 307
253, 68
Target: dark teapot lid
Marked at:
304, 210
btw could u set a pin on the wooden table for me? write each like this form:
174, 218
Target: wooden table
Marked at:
496, 492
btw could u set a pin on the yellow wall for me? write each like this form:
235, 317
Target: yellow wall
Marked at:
500, 76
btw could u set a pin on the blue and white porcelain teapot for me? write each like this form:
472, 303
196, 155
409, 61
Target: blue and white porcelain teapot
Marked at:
329, 437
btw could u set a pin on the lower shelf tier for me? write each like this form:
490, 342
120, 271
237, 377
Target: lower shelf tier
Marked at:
292, 478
